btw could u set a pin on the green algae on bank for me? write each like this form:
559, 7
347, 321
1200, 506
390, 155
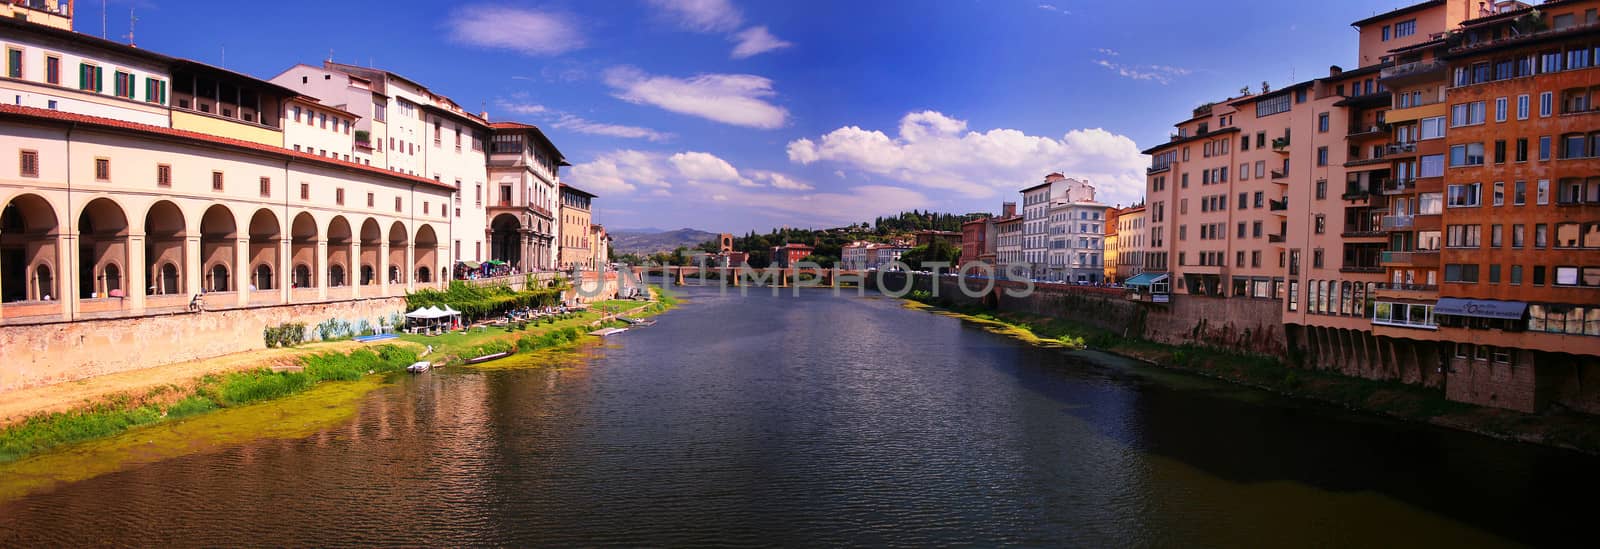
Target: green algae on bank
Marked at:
295, 416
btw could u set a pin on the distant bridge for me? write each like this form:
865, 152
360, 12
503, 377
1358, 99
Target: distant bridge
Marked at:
773, 276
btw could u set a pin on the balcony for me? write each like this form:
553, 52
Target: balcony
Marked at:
1281, 144
1358, 132
1396, 222
1280, 174
1418, 258
1399, 186
1394, 149
1158, 169
1360, 268
1275, 238
1278, 205
1407, 72
1357, 191
1377, 158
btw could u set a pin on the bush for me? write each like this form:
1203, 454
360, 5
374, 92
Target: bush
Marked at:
490, 348
284, 335
193, 405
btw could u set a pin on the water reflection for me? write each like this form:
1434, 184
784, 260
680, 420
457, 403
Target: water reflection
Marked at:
823, 420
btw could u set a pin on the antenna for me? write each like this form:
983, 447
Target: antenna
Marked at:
330, 55
133, 21
224, 62
102, 19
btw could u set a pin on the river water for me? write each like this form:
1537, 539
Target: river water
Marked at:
822, 420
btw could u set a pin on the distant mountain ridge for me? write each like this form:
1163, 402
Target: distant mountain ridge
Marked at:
643, 242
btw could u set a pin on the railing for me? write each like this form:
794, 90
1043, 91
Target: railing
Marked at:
1155, 170
1374, 159
1398, 287
1361, 268
1399, 186
1278, 205
1356, 192
1279, 174
1413, 68
1396, 222
1275, 238
1411, 257
1280, 143
1374, 129
1399, 148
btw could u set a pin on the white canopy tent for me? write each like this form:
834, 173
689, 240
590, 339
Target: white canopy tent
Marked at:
431, 317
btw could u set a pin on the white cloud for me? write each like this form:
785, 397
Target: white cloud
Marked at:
755, 41
780, 181
579, 124
1107, 51
526, 31
1052, 7
936, 151
702, 15
703, 166
1162, 74
737, 99
621, 172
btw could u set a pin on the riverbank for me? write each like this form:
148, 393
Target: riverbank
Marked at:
1406, 402
38, 420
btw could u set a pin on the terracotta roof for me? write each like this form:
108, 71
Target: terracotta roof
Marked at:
109, 123
515, 126
578, 190
512, 126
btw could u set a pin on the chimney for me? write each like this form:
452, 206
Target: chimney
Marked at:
1335, 70
1008, 209
484, 115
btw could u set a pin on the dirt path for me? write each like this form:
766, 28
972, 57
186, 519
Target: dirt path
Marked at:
18, 405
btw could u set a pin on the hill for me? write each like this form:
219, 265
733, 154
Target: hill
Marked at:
629, 241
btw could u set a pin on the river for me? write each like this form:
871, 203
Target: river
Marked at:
823, 420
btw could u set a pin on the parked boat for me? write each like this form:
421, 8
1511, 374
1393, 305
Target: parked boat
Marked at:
637, 321
486, 358
419, 366
607, 331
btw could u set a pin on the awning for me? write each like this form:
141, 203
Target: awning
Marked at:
470, 264
1146, 279
1481, 308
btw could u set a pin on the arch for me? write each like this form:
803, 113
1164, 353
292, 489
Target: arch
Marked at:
167, 278
399, 238
164, 234
102, 248
303, 238
261, 277
219, 236
339, 259
217, 279
505, 239
28, 231
371, 244
425, 253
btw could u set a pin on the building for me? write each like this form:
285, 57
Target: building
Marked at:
1036, 225
525, 169
928, 236
403, 126
1076, 226
600, 245
790, 254
975, 240
1008, 241
853, 256
1129, 244
882, 256
1110, 269
134, 184
576, 252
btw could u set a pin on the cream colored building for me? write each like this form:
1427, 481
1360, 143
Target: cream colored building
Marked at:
576, 248
524, 171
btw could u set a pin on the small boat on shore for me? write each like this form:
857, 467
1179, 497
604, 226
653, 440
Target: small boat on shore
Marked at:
607, 331
637, 321
486, 358
419, 366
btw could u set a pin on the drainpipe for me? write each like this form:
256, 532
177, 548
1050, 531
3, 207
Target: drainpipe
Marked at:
67, 259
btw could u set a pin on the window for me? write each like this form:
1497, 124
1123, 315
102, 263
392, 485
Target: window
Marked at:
28, 163
1463, 195
1432, 128
1522, 107
1273, 105
1566, 235
1316, 258
1431, 166
163, 175
216, 181
1541, 236
1542, 192
1572, 146
305, 191
1405, 28
90, 78
123, 85
1516, 274
266, 186
1499, 193
1500, 109
1496, 236
155, 91
397, 203
1522, 149
1385, 33
1546, 103
13, 63
1500, 151
371, 200
1322, 189
102, 169
1322, 156
1466, 114
338, 196
1321, 224
1461, 273
296, 111
1463, 236
1517, 234
1469, 154
1322, 123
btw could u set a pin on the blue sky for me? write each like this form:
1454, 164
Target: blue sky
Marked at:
736, 115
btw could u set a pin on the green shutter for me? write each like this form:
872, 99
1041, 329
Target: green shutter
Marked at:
99, 79
84, 80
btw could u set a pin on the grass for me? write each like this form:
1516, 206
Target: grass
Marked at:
120, 413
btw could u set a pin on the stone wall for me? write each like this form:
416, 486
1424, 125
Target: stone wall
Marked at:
43, 354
